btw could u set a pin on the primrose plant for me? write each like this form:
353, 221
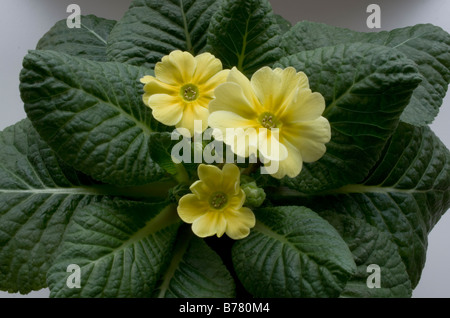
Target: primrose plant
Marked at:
207, 148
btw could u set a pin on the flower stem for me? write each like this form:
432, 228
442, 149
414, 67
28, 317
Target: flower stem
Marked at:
181, 176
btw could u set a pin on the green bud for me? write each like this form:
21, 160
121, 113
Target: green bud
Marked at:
255, 196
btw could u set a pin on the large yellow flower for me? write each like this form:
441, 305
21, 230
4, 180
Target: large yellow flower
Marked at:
215, 205
182, 88
273, 99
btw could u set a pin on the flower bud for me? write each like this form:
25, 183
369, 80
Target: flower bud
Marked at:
254, 196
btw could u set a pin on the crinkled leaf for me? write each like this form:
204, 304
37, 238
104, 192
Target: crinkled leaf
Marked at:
370, 246
151, 29
121, 248
195, 271
366, 88
427, 45
39, 194
284, 24
160, 150
292, 252
245, 34
92, 115
88, 41
403, 196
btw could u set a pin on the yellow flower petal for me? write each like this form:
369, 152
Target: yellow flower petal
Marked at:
154, 86
237, 201
166, 109
177, 68
292, 165
266, 83
245, 143
239, 223
210, 224
231, 179
291, 82
207, 66
145, 98
270, 146
226, 119
310, 138
201, 190
311, 150
318, 130
193, 112
211, 84
276, 88
204, 100
212, 176
243, 137
306, 106
190, 208
231, 97
146, 79
235, 76
303, 82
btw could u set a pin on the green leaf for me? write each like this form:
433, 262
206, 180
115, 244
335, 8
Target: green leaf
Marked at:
371, 247
39, 194
92, 115
120, 247
151, 29
195, 271
366, 88
160, 151
284, 24
292, 252
403, 196
245, 34
88, 41
427, 45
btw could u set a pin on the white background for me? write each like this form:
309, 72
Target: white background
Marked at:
23, 22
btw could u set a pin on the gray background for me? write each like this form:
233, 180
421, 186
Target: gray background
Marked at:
23, 22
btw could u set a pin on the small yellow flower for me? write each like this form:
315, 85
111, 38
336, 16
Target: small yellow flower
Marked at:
182, 88
215, 205
273, 99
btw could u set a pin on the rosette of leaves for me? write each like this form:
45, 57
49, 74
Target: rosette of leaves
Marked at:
87, 179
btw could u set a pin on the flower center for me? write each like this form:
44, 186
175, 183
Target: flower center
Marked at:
218, 200
268, 120
189, 92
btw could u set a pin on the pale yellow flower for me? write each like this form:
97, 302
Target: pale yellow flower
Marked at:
215, 205
273, 99
182, 88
